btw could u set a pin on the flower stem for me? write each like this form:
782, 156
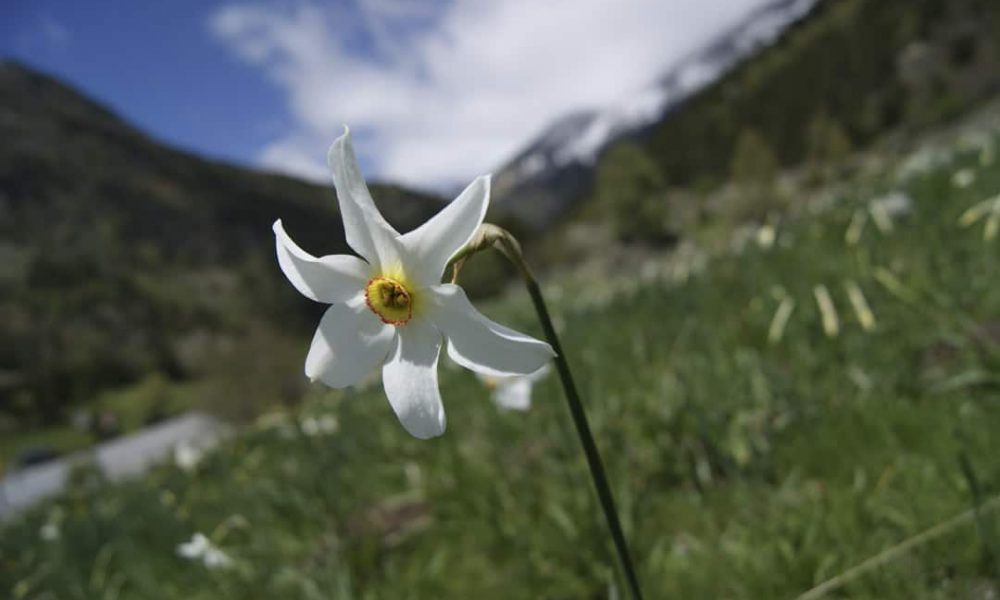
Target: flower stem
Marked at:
506, 244
587, 440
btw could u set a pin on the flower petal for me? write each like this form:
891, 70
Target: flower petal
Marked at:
432, 244
335, 278
349, 342
478, 343
365, 229
514, 394
194, 548
411, 382
540, 374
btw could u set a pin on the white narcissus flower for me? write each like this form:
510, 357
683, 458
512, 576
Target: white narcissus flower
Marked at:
187, 455
391, 309
963, 178
202, 549
513, 392
321, 425
50, 532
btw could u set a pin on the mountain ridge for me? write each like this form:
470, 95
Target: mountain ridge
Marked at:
537, 184
118, 253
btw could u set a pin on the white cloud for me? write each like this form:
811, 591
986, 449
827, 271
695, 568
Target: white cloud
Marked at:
300, 156
441, 93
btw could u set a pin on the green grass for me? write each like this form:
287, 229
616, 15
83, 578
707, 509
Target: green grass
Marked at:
742, 469
135, 406
153, 396
61, 439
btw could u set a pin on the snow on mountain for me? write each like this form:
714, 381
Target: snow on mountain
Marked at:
576, 140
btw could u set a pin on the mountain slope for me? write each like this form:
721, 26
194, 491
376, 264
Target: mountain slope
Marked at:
804, 77
115, 249
540, 181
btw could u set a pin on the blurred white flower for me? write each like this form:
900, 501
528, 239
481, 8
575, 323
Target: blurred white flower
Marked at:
894, 204
922, 161
882, 219
50, 532
885, 208
513, 392
187, 455
765, 236
322, 425
831, 324
200, 548
780, 320
860, 305
963, 178
853, 234
391, 309
990, 209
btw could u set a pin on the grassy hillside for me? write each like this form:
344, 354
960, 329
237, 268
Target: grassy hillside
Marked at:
749, 459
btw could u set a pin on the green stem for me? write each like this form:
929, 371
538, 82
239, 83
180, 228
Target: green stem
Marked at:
983, 525
508, 246
587, 440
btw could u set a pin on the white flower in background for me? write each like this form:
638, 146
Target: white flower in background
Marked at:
49, 532
885, 208
765, 236
881, 218
200, 548
831, 324
321, 425
963, 178
922, 161
780, 320
894, 204
513, 392
857, 225
989, 209
389, 307
860, 305
187, 455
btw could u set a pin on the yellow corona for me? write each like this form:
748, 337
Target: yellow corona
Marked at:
390, 299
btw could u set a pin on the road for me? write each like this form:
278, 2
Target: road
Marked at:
125, 456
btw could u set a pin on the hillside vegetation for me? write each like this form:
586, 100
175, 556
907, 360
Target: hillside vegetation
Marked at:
843, 77
122, 260
755, 450
854, 68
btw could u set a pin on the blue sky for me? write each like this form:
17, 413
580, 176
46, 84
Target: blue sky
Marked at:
436, 91
156, 64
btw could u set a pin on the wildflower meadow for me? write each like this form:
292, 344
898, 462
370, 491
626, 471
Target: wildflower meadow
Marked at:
817, 407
